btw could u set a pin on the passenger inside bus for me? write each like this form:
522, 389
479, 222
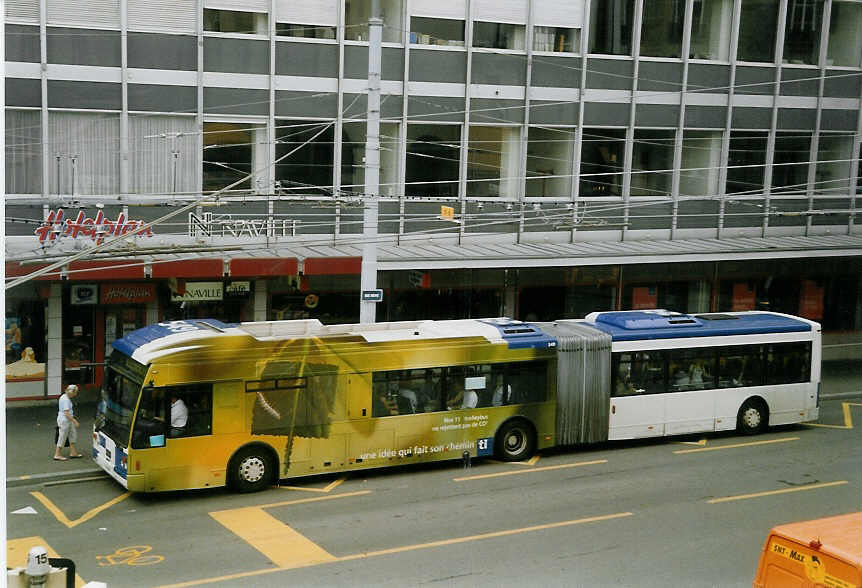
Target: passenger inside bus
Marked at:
461, 398
502, 392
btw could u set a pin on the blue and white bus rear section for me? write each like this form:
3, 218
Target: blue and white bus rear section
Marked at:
677, 410
114, 460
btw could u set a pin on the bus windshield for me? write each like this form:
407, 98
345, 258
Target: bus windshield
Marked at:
119, 397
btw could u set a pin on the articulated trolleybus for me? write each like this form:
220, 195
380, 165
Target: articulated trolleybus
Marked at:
200, 403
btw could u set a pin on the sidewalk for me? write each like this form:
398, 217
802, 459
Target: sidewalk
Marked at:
30, 445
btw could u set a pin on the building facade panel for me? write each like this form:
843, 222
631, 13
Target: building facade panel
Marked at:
236, 101
751, 118
23, 92
70, 46
162, 51
609, 74
435, 108
312, 104
22, 43
656, 115
842, 84
438, 66
606, 114
154, 98
547, 112
705, 77
555, 72
800, 82
710, 117
839, 120
754, 80
236, 55
495, 69
86, 95
306, 59
796, 118
659, 76
356, 63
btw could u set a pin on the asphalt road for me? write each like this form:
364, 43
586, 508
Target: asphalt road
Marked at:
688, 511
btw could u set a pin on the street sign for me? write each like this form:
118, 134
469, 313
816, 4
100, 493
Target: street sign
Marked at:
372, 295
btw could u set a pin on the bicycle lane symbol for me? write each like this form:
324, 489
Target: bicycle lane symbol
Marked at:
132, 556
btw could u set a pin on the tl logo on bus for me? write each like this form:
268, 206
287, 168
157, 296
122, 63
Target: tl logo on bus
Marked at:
56, 225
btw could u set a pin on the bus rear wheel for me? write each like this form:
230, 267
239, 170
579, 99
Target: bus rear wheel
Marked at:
753, 417
250, 470
515, 441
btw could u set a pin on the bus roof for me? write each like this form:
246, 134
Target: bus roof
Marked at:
150, 342
839, 535
635, 325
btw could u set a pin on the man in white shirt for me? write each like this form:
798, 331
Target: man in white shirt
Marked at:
179, 416
67, 424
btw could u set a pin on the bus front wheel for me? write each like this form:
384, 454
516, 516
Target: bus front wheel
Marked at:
753, 417
251, 470
515, 441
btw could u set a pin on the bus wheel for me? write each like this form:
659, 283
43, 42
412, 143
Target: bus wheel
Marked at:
753, 417
250, 470
515, 441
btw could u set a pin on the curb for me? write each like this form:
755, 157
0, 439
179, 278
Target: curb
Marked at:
53, 477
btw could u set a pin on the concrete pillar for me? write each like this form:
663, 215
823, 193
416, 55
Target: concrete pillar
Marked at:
698, 296
260, 300
152, 312
54, 362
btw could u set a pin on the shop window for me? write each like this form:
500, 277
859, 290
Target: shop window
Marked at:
436, 31
549, 161
802, 31
304, 31
611, 26
78, 341
758, 26
231, 153
652, 163
330, 308
710, 29
845, 42
746, 162
493, 161
357, 13
701, 160
498, 35
26, 348
834, 156
308, 167
602, 155
234, 21
353, 138
661, 31
433, 160
556, 39
790, 162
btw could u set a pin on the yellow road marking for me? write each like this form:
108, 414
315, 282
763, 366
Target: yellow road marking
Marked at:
61, 516
316, 499
304, 489
530, 471
281, 544
701, 442
772, 492
415, 547
17, 550
530, 462
848, 420
736, 445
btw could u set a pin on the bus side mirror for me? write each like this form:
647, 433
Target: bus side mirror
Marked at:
157, 440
